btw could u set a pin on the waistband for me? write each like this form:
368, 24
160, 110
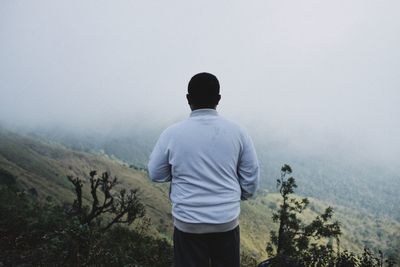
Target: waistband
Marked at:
202, 228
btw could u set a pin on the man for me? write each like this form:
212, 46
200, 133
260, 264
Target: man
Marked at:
211, 164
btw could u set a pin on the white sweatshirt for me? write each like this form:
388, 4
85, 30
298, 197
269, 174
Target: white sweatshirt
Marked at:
211, 163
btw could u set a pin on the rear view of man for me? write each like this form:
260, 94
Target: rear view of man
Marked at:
211, 164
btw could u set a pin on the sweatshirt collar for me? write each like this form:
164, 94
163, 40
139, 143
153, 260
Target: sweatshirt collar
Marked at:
203, 112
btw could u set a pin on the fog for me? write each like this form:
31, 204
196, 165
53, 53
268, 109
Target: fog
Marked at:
317, 74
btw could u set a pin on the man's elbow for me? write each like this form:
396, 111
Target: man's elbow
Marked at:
159, 177
250, 185
249, 190
152, 173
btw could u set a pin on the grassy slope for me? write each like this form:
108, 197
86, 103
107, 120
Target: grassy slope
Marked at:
44, 166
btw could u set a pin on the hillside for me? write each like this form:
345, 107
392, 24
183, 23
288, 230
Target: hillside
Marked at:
44, 165
337, 177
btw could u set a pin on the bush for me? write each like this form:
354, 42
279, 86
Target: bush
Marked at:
36, 233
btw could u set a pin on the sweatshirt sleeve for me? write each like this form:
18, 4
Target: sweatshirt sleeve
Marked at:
248, 168
159, 167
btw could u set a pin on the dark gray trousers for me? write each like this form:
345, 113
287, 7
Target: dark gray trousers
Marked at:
204, 250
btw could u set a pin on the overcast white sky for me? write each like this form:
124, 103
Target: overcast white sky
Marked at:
310, 70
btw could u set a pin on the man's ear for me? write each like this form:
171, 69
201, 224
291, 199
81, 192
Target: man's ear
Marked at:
188, 99
218, 98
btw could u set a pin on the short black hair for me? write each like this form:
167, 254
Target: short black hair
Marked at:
203, 89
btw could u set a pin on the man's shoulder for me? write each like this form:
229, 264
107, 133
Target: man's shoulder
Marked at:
233, 125
173, 128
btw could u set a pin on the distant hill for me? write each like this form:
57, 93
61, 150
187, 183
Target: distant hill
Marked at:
42, 164
340, 178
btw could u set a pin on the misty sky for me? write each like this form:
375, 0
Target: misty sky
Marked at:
307, 70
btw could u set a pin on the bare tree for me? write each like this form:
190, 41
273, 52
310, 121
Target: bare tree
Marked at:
123, 207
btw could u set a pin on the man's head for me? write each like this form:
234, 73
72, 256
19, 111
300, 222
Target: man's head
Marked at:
203, 91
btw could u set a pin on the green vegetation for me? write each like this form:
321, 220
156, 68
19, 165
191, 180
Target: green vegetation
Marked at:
78, 235
294, 238
39, 169
298, 244
349, 182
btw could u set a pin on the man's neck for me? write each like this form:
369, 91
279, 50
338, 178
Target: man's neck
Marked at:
193, 108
